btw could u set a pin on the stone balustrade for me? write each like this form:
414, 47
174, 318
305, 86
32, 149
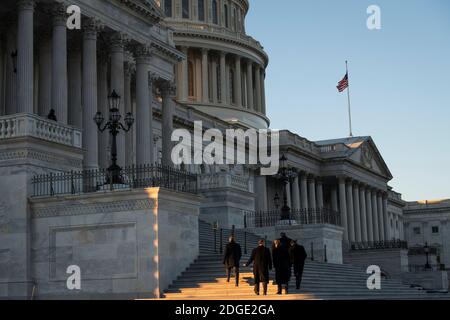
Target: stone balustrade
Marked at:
225, 180
21, 125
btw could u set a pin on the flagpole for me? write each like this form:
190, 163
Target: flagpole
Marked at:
348, 97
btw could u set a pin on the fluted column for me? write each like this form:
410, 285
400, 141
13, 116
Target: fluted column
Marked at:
168, 109
102, 102
380, 216
250, 105
263, 91
25, 52
11, 75
356, 212
370, 226
214, 80
205, 82
129, 146
288, 194
74, 86
237, 82
376, 234
363, 212
90, 131
144, 117
223, 79
387, 230
311, 192
258, 88
261, 193
184, 89
118, 84
319, 192
295, 193
343, 208
45, 74
59, 66
304, 191
350, 212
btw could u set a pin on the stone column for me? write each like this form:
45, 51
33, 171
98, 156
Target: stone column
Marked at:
237, 82
356, 212
184, 90
263, 91
311, 192
90, 131
304, 191
380, 216
102, 98
288, 194
343, 208
376, 234
11, 74
363, 212
118, 84
25, 52
319, 191
258, 88
261, 193
144, 117
128, 108
250, 105
295, 194
59, 66
45, 74
387, 233
205, 73
334, 199
223, 79
214, 80
74, 85
168, 110
350, 215
370, 226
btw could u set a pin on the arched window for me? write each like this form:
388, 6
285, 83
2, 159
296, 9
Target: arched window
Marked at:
168, 8
191, 79
186, 11
201, 10
226, 15
215, 16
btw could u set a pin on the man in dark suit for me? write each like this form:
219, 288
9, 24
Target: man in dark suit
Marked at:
298, 256
285, 241
232, 258
262, 263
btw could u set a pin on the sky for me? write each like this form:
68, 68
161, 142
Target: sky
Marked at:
399, 80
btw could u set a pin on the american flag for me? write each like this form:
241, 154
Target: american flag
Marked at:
343, 84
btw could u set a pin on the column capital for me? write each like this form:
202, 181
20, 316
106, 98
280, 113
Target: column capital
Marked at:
142, 53
223, 54
238, 58
26, 4
59, 14
205, 50
167, 88
91, 27
118, 40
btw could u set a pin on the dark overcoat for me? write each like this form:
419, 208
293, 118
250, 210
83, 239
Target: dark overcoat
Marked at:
232, 255
298, 256
262, 262
282, 264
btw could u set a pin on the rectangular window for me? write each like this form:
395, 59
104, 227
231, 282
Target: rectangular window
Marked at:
185, 7
201, 10
215, 14
416, 230
168, 8
435, 229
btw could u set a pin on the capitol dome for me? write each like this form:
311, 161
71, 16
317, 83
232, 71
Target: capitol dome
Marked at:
224, 70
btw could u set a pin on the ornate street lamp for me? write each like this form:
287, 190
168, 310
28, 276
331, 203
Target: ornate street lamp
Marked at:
286, 175
427, 251
114, 125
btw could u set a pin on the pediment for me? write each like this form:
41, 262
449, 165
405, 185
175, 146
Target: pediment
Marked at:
366, 154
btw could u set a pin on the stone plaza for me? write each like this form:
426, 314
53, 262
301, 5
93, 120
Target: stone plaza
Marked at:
172, 63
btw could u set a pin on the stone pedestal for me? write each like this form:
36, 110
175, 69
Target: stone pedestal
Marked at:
320, 236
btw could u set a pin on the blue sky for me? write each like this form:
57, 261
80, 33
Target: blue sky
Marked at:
399, 80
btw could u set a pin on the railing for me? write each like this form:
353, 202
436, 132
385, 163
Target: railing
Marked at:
24, 124
133, 177
261, 219
225, 180
379, 245
422, 267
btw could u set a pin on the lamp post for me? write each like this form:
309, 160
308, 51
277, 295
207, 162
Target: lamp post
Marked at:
286, 174
114, 125
427, 251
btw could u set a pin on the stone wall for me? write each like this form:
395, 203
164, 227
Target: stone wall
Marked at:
430, 280
128, 244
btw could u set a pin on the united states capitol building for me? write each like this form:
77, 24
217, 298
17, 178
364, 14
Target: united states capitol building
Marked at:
148, 231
